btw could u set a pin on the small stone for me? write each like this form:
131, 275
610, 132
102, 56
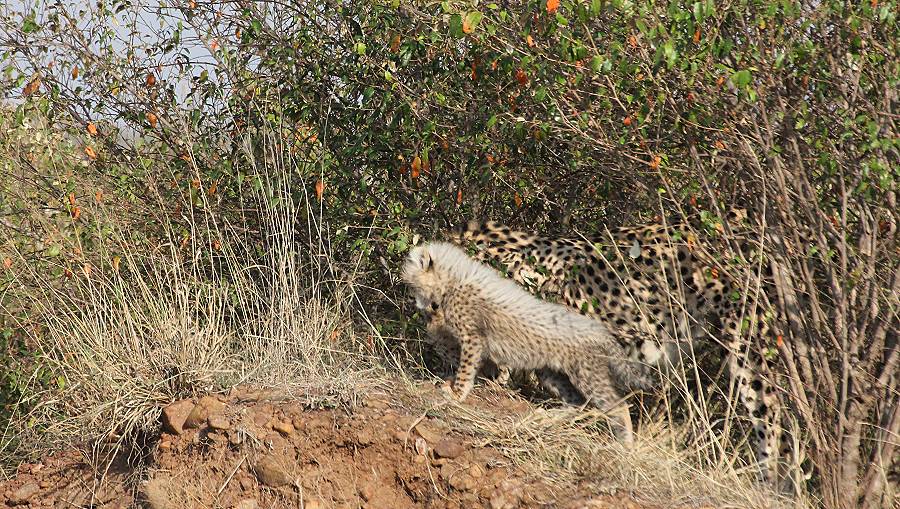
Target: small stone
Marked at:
401, 436
364, 437
156, 494
246, 483
499, 501
313, 504
367, 492
297, 422
235, 438
165, 445
23, 493
45, 484
247, 503
462, 481
285, 428
419, 459
446, 448
429, 434
218, 422
206, 407
421, 446
476, 472
175, 414
270, 470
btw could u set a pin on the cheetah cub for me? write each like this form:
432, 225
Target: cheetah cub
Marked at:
493, 318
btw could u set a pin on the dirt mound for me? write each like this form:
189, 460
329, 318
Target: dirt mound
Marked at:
251, 450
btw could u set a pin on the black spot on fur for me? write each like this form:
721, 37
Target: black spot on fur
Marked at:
756, 385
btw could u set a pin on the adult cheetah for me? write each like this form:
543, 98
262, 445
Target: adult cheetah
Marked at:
661, 290
493, 318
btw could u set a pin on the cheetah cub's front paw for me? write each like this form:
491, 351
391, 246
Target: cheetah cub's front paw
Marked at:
452, 393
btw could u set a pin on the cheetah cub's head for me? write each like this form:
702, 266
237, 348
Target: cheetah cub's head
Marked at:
423, 277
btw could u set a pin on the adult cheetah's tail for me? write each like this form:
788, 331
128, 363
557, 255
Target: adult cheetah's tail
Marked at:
491, 233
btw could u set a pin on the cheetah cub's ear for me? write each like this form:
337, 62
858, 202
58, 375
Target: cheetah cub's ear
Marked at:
426, 263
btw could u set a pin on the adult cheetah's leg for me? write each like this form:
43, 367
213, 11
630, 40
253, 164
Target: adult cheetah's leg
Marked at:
757, 396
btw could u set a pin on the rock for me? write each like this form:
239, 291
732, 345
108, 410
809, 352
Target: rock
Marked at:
283, 427
428, 433
247, 503
446, 448
499, 501
23, 493
175, 414
246, 483
206, 407
218, 422
364, 437
421, 446
462, 482
313, 504
156, 494
271, 471
476, 472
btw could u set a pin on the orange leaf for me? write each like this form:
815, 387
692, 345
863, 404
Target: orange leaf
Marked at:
98, 195
720, 81
214, 45
68, 273
632, 40
7, 262
655, 162
90, 152
714, 272
779, 340
552, 6
76, 213
115, 263
459, 197
71, 199
320, 189
521, 77
152, 120
627, 121
530, 41
212, 189
195, 183
192, 4
395, 43
92, 129
416, 167
75, 72
719, 145
151, 79
697, 36
216, 245
32, 86
518, 200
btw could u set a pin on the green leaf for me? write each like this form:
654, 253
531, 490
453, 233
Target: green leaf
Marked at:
472, 20
360, 48
492, 121
741, 78
456, 26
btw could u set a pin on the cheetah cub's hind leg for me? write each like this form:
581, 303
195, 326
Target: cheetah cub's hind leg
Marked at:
591, 376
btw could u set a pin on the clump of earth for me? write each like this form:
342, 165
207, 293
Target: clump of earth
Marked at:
250, 449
